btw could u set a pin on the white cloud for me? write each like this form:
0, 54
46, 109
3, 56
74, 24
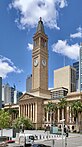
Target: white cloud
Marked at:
78, 34
7, 66
62, 47
31, 10
30, 46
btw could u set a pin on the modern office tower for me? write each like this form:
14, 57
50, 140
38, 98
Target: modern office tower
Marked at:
57, 93
65, 77
0, 92
76, 66
17, 95
80, 68
8, 93
29, 83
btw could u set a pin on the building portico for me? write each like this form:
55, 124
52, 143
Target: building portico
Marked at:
31, 106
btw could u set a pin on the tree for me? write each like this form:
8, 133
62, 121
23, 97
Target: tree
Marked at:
13, 112
23, 123
62, 104
4, 120
76, 107
51, 108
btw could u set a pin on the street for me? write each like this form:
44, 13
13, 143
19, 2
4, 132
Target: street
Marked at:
74, 140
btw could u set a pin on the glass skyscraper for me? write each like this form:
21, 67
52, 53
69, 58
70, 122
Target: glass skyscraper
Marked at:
76, 66
0, 92
80, 68
29, 83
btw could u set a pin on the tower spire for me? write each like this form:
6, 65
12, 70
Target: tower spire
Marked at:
40, 27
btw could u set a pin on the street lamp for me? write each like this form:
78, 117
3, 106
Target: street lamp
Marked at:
62, 121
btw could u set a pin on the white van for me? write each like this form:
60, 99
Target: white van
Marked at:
26, 138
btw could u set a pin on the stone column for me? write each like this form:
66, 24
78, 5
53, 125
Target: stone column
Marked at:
19, 110
50, 117
31, 111
58, 115
70, 116
22, 110
67, 118
26, 110
47, 117
35, 112
62, 113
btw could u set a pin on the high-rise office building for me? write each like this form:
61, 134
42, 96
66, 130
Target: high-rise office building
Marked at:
0, 92
17, 95
80, 68
76, 66
9, 94
65, 77
29, 83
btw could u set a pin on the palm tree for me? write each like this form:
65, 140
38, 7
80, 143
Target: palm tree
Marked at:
62, 105
76, 111
51, 109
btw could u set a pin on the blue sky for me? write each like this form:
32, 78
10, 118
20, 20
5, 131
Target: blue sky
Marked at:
18, 20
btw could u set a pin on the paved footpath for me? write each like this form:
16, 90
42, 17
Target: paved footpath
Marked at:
74, 140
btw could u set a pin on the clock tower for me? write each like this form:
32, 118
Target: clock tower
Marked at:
40, 61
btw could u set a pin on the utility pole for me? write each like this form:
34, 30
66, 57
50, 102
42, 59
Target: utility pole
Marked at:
65, 141
62, 121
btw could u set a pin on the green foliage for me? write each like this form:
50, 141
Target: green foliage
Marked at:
50, 107
62, 104
76, 107
4, 119
22, 121
13, 111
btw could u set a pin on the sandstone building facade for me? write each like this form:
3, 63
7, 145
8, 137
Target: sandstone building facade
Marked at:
31, 105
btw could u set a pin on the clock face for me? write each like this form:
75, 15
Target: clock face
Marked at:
44, 62
35, 62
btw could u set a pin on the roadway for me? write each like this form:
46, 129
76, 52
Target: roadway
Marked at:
74, 140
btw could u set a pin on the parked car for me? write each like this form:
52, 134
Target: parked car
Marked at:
10, 141
3, 141
36, 145
40, 145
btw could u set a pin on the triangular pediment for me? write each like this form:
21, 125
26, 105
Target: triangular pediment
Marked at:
26, 96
